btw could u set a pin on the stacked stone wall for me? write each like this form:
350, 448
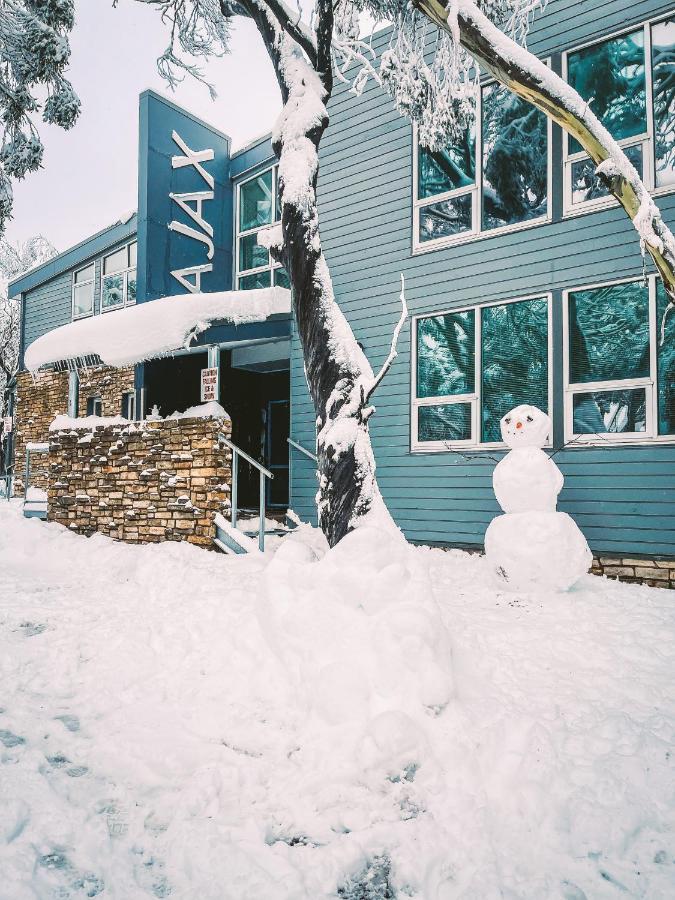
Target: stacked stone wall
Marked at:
39, 399
654, 572
107, 383
144, 482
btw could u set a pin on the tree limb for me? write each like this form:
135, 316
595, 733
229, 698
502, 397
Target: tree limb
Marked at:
393, 353
525, 75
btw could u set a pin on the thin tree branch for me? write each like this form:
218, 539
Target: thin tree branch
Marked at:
289, 22
393, 353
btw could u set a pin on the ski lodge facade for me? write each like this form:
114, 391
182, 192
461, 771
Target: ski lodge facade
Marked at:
525, 284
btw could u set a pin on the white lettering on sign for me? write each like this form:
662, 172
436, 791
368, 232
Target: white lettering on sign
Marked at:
209, 385
204, 232
7, 424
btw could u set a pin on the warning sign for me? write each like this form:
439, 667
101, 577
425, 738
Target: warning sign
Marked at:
209, 385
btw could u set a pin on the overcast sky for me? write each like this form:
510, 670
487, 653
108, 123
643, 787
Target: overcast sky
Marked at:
89, 173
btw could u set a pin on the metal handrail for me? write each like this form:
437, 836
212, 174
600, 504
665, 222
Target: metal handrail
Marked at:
302, 449
264, 473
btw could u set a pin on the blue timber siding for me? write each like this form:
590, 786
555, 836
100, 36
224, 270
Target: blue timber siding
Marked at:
49, 304
623, 498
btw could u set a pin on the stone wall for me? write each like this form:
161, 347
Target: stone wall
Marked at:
38, 401
143, 482
107, 383
654, 572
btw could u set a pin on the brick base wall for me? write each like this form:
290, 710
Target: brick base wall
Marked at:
654, 572
38, 401
141, 483
107, 383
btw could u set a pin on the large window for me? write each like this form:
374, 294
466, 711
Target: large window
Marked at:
455, 199
83, 291
620, 384
257, 208
118, 278
627, 81
473, 365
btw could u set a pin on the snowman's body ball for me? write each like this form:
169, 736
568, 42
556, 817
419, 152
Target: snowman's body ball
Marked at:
527, 479
529, 551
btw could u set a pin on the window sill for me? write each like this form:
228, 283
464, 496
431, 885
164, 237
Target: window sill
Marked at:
471, 236
82, 316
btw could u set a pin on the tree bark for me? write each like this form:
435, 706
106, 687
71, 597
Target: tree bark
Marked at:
525, 75
339, 377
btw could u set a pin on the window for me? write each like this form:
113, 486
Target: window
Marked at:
94, 406
257, 207
620, 384
118, 278
473, 365
454, 200
83, 292
627, 81
129, 405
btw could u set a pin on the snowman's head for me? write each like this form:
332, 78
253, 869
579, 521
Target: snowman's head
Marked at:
525, 426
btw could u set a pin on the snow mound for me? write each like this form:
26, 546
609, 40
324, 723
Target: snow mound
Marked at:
154, 329
370, 721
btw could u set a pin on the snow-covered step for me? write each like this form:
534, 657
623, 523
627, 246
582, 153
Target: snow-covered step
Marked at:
232, 540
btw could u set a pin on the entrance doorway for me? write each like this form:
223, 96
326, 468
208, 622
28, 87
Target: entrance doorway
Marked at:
276, 451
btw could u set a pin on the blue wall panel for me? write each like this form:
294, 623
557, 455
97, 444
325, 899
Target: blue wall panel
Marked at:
622, 497
160, 250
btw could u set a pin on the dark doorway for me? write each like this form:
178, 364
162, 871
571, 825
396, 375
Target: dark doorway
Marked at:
258, 405
174, 384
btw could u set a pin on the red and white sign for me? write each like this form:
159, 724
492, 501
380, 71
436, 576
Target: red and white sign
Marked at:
209, 385
7, 424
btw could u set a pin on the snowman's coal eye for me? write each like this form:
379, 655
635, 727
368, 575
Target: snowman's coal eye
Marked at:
530, 419
508, 421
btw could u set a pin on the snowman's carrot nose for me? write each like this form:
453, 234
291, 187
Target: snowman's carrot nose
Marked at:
519, 424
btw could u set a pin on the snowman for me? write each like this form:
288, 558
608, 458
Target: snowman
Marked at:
532, 546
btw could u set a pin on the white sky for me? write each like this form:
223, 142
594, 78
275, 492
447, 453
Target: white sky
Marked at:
89, 173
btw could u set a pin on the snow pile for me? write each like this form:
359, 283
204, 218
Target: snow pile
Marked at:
154, 329
368, 722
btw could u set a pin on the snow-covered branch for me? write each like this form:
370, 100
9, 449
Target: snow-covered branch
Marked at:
525, 75
393, 352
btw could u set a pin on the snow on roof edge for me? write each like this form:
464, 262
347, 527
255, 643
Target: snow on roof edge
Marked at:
154, 329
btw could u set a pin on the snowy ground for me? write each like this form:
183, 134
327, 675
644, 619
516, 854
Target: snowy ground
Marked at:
178, 723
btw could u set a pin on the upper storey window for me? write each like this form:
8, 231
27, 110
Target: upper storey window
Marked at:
257, 207
118, 278
83, 291
456, 199
626, 81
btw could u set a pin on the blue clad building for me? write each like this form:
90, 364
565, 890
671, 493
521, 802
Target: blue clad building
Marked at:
525, 283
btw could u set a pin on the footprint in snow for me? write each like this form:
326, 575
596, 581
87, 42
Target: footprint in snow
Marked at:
30, 629
72, 723
149, 874
9, 739
56, 866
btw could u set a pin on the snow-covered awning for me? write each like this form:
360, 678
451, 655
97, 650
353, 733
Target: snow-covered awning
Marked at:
154, 329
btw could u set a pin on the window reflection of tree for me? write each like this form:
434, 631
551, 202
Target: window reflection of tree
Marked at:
515, 161
514, 360
446, 355
609, 340
663, 89
447, 169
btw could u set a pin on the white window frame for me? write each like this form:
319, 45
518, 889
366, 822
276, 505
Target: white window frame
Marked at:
272, 265
476, 190
650, 384
125, 277
475, 398
91, 281
645, 140
130, 406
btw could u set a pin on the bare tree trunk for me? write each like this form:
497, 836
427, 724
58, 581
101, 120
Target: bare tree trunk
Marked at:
339, 377
525, 75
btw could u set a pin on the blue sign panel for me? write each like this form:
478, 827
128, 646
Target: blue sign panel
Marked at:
184, 203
